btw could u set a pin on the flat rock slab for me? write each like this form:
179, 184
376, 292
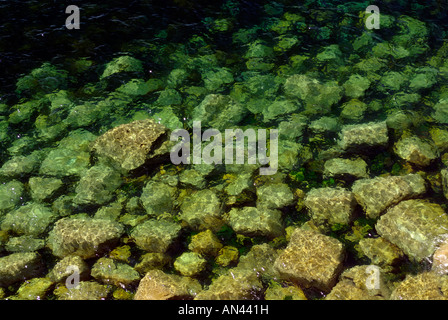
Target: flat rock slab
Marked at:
377, 194
311, 259
415, 226
128, 145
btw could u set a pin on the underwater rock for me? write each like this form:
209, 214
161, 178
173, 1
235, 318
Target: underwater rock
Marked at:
440, 258
278, 108
168, 97
318, 98
441, 111
235, 284
83, 236
11, 194
34, 289
324, 125
135, 87
19, 266
330, 205
190, 264
122, 64
193, 178
254, 221
155, 235
353, 110
356, 85
274, 196
31, 219
86, 290
354, 284
109, 271
218, 111
64, 268
42, 189
380, 251
152, 260
440, 138
24, 244
158, 285
158, 198
284, 292
205, 243
311, 259
339, 167
216, 79
202, 210
96, 187
370, 134
71, 157
377, 194
415, 226
228, 255
260, 259
44, 79
416, 151
424, 78
128, 145
293, 128
422, 286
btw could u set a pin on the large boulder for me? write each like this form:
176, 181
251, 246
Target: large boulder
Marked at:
19, 266
377, 194
422, 286
330, 205
83, 236
415, 226
311, 259
127, 146
158, 285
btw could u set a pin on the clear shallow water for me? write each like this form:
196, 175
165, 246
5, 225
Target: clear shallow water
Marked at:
251, 52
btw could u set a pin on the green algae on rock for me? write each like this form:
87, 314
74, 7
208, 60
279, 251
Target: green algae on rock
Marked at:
85, 237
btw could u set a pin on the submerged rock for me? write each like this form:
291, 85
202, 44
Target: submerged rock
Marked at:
128, 145
235, 284
206, 243
311, 259
32, 219
158, 198
415, 226
119, 274
370, 134
86, 290
254, 221
423, 286
96, 187
19, 266
416, 151
157, 285
202, 210
360, 283
122, 64
339, 167
44, 188
84, 237
380, 251
65, 267
274, 196
10, 195
155, 235
377, 194
190, 264
330, 205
